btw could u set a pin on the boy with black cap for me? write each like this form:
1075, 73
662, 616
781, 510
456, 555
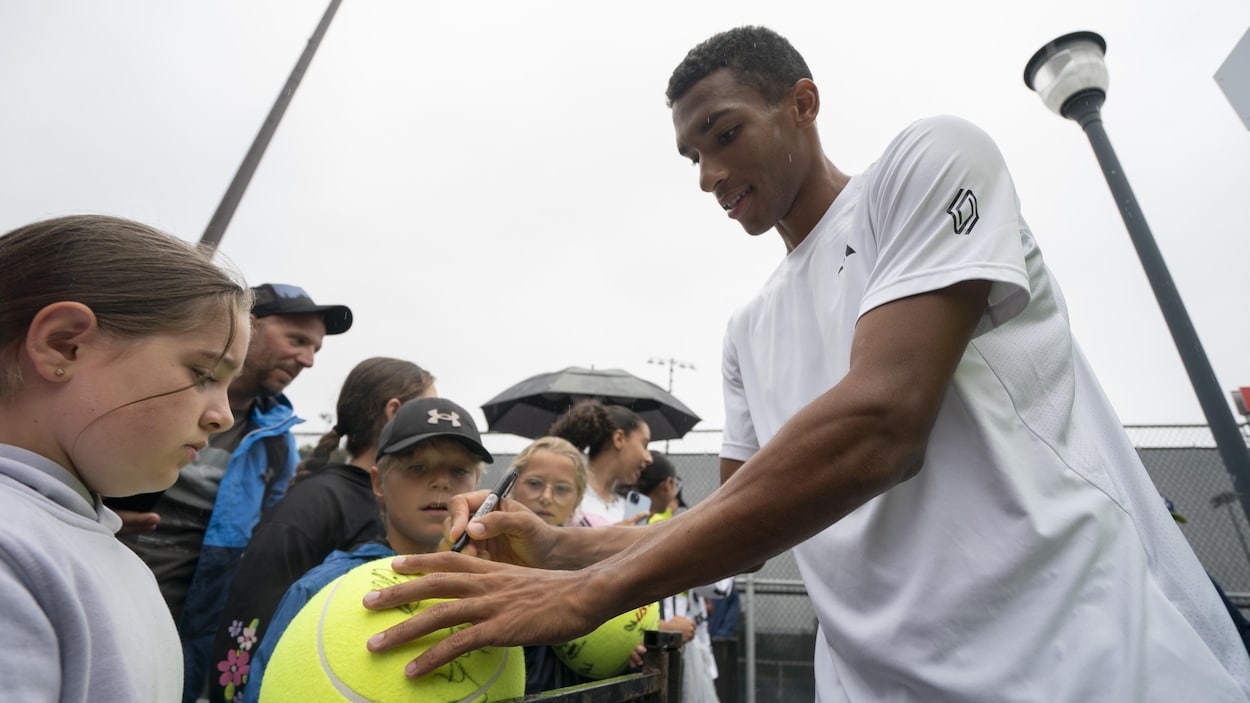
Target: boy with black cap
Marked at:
192, 535
430, 451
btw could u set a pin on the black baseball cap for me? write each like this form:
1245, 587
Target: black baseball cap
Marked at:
283, 299
655, 473
422, 418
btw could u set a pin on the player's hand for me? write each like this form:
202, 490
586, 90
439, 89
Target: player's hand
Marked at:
507, 606
679, 623
511, 533
134, 521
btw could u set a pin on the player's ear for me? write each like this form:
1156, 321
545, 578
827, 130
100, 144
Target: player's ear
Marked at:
806, 102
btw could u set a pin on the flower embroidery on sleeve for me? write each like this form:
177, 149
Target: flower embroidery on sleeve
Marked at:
248, 637
234, 668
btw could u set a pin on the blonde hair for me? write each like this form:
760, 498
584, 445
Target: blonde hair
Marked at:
559, 447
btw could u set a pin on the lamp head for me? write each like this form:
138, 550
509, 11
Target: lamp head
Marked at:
1066, 67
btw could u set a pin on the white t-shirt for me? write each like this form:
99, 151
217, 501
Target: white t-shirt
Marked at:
1031, 558
594, 511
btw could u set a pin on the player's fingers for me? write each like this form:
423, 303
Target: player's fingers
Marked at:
504, 522
434, 582
437, 617
435, 562
460, 508
456, 644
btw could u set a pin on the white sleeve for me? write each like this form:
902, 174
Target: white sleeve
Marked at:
719, 589
943, 209
738, 439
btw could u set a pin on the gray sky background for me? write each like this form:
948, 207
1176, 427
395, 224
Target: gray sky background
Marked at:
493, 186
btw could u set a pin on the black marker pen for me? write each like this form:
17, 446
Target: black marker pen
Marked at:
501, 491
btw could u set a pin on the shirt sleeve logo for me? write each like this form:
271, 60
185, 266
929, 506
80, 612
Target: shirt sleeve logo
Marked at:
963, 210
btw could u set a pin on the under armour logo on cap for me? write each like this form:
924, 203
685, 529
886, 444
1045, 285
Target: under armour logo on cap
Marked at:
452, 417
421, 419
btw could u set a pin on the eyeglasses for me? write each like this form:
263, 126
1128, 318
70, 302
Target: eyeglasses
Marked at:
534, 487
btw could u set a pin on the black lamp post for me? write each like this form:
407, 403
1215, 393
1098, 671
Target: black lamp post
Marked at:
1070, 76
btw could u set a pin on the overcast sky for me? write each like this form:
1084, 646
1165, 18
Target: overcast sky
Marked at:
493, 187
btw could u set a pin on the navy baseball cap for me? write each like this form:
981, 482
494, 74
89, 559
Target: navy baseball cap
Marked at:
423, 418
283, 299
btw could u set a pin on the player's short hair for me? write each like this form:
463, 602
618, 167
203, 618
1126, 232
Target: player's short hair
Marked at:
759, 58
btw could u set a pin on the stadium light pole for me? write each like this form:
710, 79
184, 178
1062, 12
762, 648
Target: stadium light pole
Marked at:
671, 363
234, 193
1070, 75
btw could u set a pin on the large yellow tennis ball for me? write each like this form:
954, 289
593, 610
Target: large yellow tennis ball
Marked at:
605, 651
322, 654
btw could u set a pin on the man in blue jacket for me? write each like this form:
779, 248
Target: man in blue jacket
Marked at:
192, 535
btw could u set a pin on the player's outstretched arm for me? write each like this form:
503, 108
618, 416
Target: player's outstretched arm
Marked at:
862, 437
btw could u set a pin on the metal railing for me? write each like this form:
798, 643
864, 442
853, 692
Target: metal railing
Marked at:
658, 682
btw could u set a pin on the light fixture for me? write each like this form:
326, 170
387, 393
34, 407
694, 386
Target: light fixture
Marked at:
1068, 67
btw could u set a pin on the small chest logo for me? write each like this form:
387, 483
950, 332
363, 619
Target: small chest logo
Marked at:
849, 251
963, 210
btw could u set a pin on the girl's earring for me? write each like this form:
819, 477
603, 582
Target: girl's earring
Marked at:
60, 372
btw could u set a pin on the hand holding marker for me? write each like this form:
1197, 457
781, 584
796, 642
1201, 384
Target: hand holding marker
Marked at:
501, 491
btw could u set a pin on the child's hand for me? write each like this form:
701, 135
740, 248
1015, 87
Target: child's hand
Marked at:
682, 624
134, 521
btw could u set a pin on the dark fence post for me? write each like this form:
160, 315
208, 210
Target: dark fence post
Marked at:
664, 657
725, 649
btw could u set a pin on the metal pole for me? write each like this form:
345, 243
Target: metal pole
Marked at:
230, 201
1085, 107
671, 361
749, 612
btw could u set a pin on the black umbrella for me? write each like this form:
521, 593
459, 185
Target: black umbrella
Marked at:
528, 408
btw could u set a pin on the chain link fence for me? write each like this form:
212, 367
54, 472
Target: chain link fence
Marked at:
1185, 465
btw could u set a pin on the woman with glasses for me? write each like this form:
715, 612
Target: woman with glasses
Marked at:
551, 479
